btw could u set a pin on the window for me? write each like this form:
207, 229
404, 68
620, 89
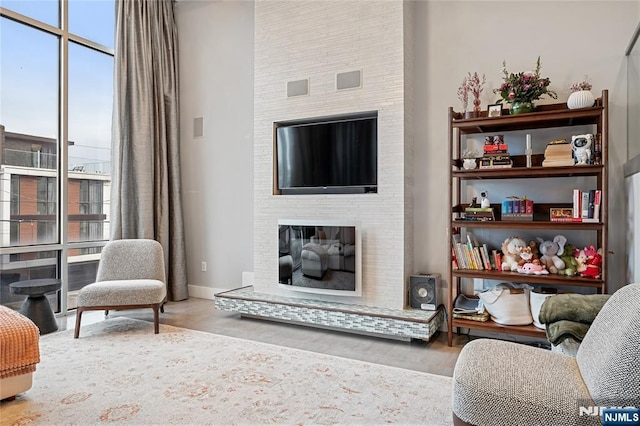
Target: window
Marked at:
56, 97
15, 194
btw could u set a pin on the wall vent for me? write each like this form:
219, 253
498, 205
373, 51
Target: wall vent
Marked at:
297, 88
349, 80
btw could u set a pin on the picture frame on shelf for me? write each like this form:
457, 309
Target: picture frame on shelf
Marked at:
494, 110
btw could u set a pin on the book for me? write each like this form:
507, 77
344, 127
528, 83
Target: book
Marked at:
592, 199
561, 214
584, 205
473, 317
596, 204
577, 200
558, 153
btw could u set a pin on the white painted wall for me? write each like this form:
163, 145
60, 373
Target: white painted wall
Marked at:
450, 38
216, 82
454, 38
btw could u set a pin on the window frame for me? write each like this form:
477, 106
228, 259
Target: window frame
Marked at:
59, 159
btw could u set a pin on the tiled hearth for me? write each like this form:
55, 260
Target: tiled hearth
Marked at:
402, 324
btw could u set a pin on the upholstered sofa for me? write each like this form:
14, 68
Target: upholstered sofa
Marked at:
333, 247
504, 383
19, 352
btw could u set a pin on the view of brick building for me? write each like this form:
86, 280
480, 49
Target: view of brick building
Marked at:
29, 210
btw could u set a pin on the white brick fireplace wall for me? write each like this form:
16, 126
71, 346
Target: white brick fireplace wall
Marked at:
315, 40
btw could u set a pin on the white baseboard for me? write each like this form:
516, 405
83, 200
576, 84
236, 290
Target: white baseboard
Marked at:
204, 292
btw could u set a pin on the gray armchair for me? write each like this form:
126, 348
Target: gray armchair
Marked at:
504, 383
131, 275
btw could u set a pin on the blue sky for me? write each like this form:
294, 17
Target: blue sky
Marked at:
29, 76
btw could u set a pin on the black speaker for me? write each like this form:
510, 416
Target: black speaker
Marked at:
423, 290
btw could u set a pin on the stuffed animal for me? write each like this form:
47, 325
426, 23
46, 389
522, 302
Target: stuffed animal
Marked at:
511, 248
550, 251
533, 268
581, 260
527, 256
534, 248
570, 262
593, 263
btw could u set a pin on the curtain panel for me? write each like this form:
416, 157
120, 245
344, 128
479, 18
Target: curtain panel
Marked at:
146, 189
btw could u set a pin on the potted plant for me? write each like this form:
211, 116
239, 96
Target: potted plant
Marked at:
463, 95
521, 89
474, 85
581, 96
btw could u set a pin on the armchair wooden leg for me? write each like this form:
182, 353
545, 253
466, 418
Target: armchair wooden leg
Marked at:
156, 319
76, 333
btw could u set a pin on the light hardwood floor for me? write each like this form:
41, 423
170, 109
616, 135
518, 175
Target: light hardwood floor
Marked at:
200, 314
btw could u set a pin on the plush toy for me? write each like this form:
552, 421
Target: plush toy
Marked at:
527, 256
511, 248
533, 268
570, 262
581, 260
534, 248
550, 251
593, 263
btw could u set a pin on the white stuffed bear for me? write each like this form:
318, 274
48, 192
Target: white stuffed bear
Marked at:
550, 250
511, 248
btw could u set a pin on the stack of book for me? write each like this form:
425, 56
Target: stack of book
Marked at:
586, 208
470, 255
496, 156
478, 213
558, 153
517, 208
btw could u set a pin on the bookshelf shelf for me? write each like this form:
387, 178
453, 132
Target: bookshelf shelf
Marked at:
546, 117
521, 330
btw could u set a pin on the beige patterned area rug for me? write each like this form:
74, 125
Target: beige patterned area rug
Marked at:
119, 372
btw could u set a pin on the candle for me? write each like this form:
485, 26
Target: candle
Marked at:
528, 141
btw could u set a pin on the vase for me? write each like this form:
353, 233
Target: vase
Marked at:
521, 107
469, 163
580, 99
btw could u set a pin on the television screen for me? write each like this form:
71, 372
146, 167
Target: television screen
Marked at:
332, 155
319, 257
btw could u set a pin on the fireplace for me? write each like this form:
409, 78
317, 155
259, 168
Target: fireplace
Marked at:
319, 257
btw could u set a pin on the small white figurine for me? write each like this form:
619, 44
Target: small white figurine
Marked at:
484, 201
581, 145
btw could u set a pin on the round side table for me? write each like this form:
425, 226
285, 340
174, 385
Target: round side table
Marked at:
36, 306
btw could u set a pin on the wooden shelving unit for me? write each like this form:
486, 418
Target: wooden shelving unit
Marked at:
545, 117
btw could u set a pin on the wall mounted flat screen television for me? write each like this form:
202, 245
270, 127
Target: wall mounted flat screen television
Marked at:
322, 257
329, 155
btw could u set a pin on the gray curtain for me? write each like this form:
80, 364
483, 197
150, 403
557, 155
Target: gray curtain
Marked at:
145, 193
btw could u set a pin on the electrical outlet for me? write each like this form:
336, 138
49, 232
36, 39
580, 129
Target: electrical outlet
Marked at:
203, 267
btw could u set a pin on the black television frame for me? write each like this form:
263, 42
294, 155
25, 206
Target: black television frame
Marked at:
329, 189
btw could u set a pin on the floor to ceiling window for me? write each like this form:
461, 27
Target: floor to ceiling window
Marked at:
56, 74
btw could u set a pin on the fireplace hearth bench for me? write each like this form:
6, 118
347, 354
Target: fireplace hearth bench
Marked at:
399, 324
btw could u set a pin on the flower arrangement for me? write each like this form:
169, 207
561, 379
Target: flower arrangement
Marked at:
581, 85
524, 87
474, 85
463, 94
470, 153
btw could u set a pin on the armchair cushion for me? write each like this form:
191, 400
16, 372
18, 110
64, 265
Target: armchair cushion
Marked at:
505, 383
122, 292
